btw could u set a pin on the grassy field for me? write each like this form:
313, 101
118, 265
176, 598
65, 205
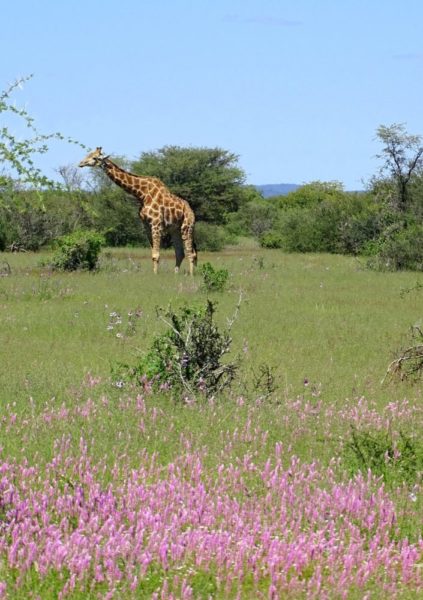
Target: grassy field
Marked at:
328, 329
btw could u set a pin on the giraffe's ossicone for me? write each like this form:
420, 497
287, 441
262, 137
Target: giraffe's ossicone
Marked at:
160, 210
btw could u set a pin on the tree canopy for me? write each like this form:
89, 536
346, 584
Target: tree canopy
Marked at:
208, 178
403, 159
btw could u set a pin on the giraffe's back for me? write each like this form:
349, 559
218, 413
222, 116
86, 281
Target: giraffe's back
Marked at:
175, 210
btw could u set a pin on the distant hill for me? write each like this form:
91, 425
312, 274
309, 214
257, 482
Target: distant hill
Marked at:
276, 189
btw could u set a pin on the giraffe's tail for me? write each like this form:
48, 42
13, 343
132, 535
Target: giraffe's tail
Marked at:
195, 252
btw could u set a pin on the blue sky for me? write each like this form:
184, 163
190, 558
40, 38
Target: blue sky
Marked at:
296, 89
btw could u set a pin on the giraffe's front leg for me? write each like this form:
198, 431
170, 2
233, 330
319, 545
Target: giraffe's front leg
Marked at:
156, 235
187, 233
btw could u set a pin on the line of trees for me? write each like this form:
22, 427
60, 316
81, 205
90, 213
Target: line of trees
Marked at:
384, 223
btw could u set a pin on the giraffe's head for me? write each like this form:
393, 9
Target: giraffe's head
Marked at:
93, 159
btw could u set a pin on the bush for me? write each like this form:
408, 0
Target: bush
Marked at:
298, 232
210, 238
344, 224
79, 250
25, 224
188, 356
403, 250
115, 214
361, 222
271, 239
397, 458
254, 218
214, 280
30, 220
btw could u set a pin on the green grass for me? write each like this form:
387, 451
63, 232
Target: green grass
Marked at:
327, 327
320, 318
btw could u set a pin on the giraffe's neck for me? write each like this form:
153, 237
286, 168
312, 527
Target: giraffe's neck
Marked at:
137, 186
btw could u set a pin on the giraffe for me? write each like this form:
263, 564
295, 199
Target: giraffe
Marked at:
160, 210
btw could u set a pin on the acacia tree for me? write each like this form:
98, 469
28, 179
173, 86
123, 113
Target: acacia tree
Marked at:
208, 178
18, 154
24, 220
403, 156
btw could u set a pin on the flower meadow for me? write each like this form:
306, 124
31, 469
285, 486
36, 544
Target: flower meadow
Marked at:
303, 480
161, 513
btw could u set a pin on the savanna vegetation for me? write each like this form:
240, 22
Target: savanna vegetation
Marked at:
130, 470
252, 432
383, 224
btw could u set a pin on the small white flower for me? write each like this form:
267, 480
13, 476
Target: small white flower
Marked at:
413, 497
119, 384
109, 327
119, 335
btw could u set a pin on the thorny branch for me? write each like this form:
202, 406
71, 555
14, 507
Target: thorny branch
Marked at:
410, 362
18, 154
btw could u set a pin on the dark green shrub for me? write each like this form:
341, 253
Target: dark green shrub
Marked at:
79, 250
214, 280
272, 239
210, 238
397, 458
360, 224
25, 225
371, 248
116, 216
188, 357
253, 218
344, 224
297, 229
403, 250
33, 219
